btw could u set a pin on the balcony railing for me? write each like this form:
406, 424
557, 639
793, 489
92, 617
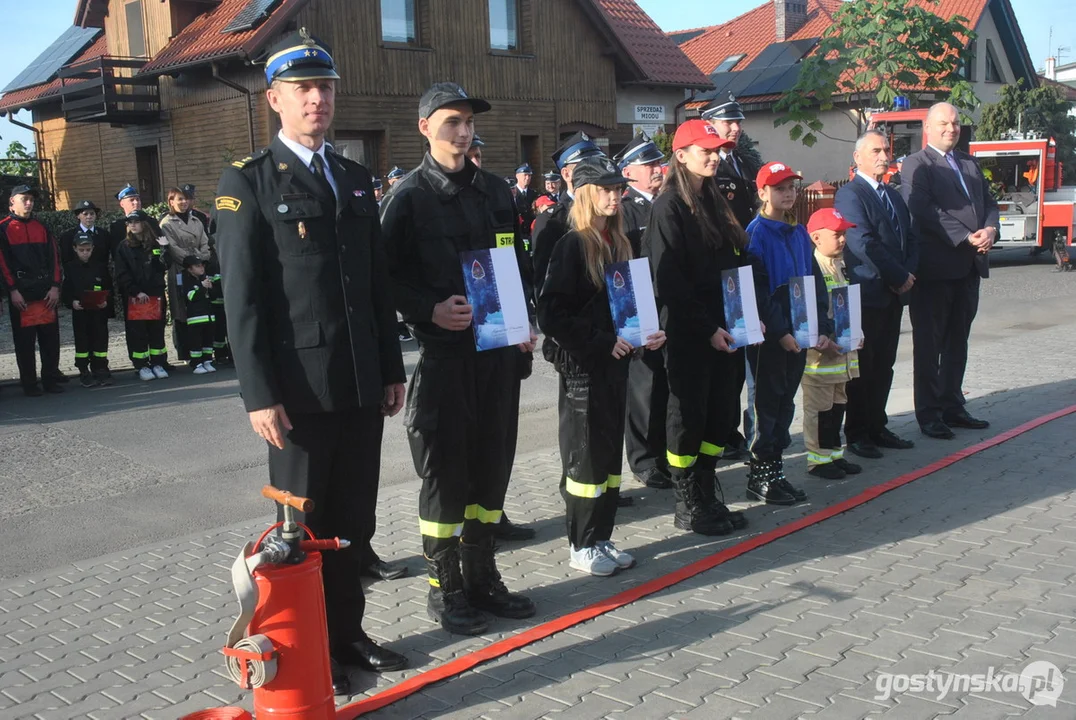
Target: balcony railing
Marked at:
107, 89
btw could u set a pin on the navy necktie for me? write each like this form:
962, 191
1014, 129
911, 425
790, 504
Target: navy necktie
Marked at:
884, 196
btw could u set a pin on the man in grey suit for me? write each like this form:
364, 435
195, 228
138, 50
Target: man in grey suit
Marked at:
880, 256
957, 219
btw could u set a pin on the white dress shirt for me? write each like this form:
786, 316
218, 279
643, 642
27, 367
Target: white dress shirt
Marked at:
307, 156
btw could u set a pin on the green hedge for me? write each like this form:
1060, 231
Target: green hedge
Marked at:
57, 221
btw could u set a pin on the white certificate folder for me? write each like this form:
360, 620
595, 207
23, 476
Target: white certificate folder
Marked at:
495, 292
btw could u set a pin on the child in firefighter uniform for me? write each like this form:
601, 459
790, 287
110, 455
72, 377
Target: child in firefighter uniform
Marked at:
827, 373
198, 293
573, 309
140, 270
780, 249
85, 279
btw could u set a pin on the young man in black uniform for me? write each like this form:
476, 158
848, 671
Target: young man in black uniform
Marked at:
525, 198
311, 326
648, 388
735, 178
461, 403
87, 214
30, 272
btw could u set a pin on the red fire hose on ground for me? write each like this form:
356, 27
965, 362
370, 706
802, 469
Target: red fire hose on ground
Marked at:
288, 623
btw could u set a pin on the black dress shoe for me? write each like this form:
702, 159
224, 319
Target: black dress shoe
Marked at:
341, 682
381, 570
59, 377
54, 389
961, 419
936, 429
508, 530
625, 501
368, 655
828, 471
888, 439
865, 449
654, 478
32, 390
848, 467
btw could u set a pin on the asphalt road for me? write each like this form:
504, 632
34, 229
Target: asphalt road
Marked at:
96, 471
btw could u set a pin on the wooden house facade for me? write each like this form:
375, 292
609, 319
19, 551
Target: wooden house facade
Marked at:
169, 91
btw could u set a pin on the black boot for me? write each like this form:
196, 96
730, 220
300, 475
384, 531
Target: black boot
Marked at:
483, 587
762, 484
446, 602
692, 513
786, 485
713, 497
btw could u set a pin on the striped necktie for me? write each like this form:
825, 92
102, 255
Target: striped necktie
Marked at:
884, 196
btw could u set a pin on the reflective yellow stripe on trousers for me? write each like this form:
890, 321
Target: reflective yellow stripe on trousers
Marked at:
479, 513
585, 490
679, 461
429, 528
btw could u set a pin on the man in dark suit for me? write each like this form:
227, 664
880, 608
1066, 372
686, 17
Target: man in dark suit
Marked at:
957, 218
880, 255
311, 324
524, 198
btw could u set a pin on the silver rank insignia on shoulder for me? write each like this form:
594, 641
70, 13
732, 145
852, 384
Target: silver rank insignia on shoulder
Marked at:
282, 167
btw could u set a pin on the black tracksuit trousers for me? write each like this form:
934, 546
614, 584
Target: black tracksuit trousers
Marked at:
592, 409
91, 339
777, 375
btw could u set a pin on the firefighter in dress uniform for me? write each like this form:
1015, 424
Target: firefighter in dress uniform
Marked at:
461, 403
648, 389
130, 201
551, 182
88, 214
525, 198
310, 322
735, 179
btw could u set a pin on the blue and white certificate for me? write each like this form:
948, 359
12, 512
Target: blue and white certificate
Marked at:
495, 292
631, 300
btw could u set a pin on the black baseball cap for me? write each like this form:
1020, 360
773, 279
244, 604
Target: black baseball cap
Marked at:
139, 215
23, 190
83, 238
192, 260
597, 171
447, 93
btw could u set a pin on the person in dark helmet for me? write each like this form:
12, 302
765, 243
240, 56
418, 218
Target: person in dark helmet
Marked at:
310, 322
394, 175
461, 402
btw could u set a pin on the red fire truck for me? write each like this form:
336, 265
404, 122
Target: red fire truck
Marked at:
1036, 208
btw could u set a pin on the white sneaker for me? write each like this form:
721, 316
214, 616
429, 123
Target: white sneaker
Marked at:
622, 559
209, 366
592, 561
159, 372
200, 369
146, 374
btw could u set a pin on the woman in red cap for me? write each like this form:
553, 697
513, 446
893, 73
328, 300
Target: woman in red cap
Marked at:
780, 249
691, 238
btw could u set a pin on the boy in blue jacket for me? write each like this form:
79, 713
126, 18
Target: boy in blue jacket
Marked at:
780, 249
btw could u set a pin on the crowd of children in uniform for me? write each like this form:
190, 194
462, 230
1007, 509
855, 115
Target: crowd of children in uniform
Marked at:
150, 275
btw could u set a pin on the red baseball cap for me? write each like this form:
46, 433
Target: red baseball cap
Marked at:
828, 219
775, 173
544, 201
701, 133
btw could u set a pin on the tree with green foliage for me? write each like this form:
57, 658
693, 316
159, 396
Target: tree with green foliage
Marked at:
663, 142
1043, 110
18, 161
875, 51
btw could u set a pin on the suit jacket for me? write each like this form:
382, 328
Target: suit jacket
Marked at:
877, 255
525, 207
740, 192
945, 216
310, 317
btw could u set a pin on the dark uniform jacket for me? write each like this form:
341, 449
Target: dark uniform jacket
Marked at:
29, 262
197, 299
102, 244
636, 211
548, 229
428, 220
573, 311
687, 270
524, 208
139, 270
310, 317
741, 192
80, 277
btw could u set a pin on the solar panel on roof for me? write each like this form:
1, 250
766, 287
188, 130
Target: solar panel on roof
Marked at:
783, 53
250, 16
45, 66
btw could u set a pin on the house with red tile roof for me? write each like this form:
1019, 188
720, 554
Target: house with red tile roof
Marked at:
165, 92
756, 56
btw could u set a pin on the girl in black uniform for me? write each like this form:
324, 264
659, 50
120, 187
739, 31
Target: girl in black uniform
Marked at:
691, 238
573, 309
140, 271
